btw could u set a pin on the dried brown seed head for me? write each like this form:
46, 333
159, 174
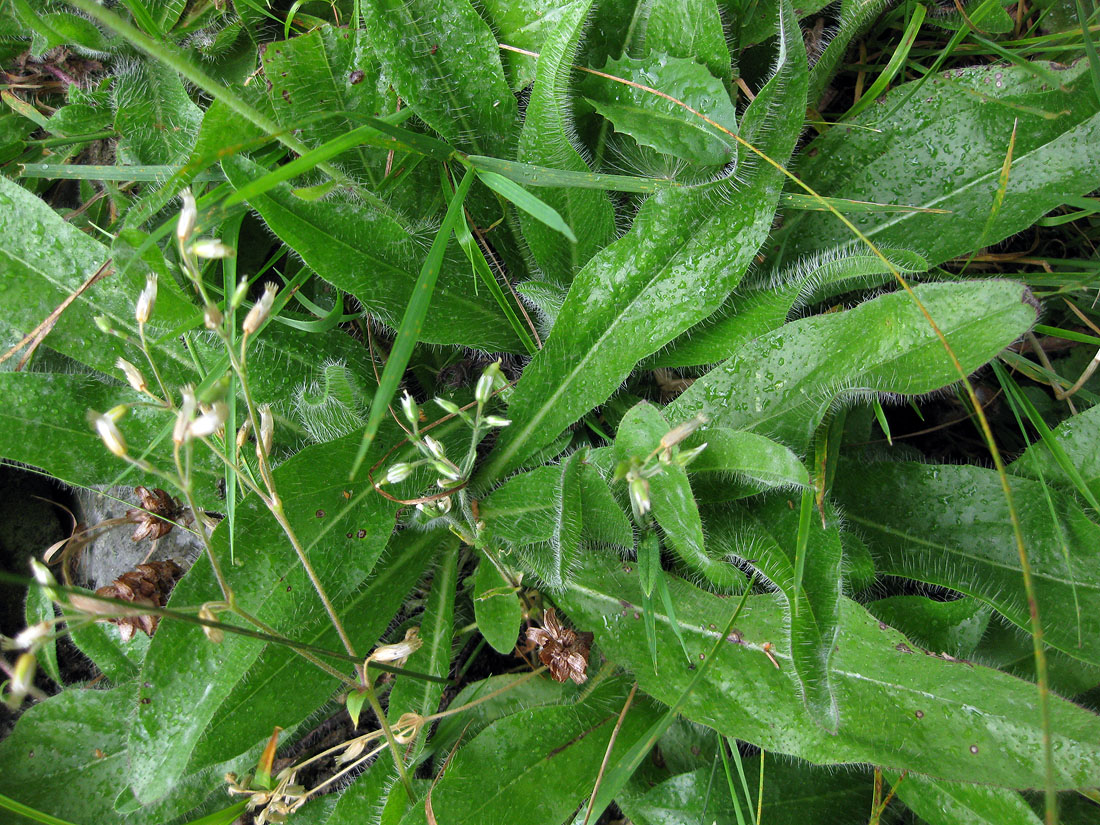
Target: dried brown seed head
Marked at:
563, 650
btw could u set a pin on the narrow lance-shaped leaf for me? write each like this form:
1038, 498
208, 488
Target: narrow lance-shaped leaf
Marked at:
902, 512
782, 383
372, 255
686, 251
763, 535
956, 132
545, 140
900, 708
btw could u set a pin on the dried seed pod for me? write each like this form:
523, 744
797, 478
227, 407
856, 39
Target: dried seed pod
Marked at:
147, 584
561, 649
155, 516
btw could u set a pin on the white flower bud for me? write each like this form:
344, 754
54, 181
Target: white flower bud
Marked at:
687, 456
260, 310
133, 375
639, 497
496, 421
107, 430
29, 638
398, 473
211, 248
22, 679
398, 653
484, 389
146, 300
682, 431
239, 294
267, 429
104, 324
449, 406
412, 412
446, 469
188, 215
209, 422
212, 316
435, 448
184, 415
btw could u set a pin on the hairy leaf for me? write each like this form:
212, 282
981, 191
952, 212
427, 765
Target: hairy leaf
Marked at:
782, 384
686, 251
910, 517
899, 708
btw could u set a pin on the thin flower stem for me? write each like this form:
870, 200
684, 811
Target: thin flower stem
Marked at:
398, 760
443, 714
165, 397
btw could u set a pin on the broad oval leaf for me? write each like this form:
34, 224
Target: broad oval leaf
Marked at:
496, 608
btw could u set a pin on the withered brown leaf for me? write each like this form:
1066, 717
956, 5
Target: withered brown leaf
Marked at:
147, 584
563, 650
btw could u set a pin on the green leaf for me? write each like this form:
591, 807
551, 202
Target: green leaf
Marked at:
956, 133
673, 503
524, 200
443, 60
685, 252
372, 256
794, 794
783, 383
155, 116
898, 708
354, 704
343, 539
764, 536
547, 140
1078, 439
946, 803
755, 461
908, 516
411, 695
64, 444
496, 608
768, 302
690, 29
119, 661
67, 758
660, 123
329, 70
954, 627
259, 700
556, 751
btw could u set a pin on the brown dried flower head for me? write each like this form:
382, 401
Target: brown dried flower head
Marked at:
155, 516
147, 584
561, 649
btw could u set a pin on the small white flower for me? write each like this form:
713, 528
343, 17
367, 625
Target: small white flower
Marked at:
260, 310
496, 421
184, 415
211, 248
107, 430
146, 301
209, 422
188, 215
398, 653
31, 636
133, 375
412, 412
435, 448
398, 473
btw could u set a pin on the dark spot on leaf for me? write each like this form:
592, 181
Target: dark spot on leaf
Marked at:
919, 714
903, 647
637, 615
973, 748
702, 656
288, 588
882, 625
735, 637
356, 77
320, 514
434, 48
712, 627
286, 95
349, 535
145, 700
361, 534
627, 568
